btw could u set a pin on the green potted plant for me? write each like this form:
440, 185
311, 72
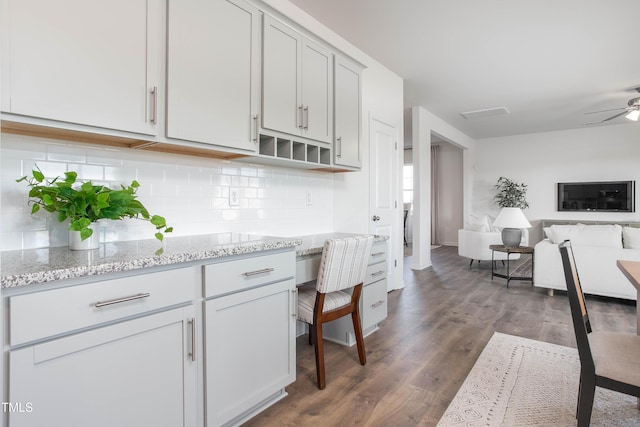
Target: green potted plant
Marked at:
512, 198
84, 203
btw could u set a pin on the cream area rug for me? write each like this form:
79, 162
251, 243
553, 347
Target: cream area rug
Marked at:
522, 382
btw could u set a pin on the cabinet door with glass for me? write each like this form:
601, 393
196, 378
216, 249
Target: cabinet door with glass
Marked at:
84, 62
213, 75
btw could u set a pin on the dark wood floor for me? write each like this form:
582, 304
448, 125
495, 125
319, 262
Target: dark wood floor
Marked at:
437, 327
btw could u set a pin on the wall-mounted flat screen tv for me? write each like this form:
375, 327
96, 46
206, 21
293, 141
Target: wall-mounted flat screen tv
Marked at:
610, 196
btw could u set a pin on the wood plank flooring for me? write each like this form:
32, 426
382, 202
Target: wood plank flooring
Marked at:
436, 329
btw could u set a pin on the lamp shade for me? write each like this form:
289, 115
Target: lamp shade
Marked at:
511, 218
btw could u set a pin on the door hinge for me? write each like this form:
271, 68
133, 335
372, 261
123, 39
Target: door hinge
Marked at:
395, 262
396, 145
396, 202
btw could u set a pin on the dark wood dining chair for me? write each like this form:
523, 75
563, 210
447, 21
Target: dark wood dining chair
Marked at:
607, 359
343, 266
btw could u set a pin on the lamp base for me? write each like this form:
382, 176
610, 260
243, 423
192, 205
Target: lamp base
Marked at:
511, 237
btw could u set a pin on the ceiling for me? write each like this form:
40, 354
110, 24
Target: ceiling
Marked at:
546, 61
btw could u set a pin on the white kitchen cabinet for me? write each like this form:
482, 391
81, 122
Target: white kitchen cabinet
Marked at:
249, 336
82, 62
297, 80
119, 352
347, 112
213, 74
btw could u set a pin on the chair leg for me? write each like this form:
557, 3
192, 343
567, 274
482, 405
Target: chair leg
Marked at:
357, 329
585, 400
471, 264
319, 349
310, 334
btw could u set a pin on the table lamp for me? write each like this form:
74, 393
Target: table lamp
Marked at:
511, 220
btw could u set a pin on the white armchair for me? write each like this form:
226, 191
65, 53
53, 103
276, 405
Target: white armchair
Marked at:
475, 245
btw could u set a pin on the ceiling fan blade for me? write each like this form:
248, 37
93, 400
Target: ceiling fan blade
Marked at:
608, 118
616, 115
604, 111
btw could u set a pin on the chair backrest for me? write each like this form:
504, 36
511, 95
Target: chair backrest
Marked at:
344, 263
579, 314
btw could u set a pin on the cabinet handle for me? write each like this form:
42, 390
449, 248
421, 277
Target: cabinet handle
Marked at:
256, 124
306, 117
377, 254
192, 321
300, 116
294, 312
377, 273
119, 300
378, 304
253, 273
339, 146
154, 105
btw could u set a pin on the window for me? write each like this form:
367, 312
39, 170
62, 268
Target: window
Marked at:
407, 184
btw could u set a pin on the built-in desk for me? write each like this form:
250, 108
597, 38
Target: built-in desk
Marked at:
373, 302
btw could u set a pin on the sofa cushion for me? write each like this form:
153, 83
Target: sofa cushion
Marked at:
605, 235
631, 237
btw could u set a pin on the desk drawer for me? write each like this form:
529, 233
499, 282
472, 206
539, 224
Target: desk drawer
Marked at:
374, 304
234, 276
43, 314
378, 253
375, 272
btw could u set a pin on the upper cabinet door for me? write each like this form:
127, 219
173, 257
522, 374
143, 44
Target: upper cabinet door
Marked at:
297, 83
281, 91
86, 62
348, 113
213, 74
317, 85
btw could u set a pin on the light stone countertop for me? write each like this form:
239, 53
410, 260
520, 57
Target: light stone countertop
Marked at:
313, 243
33, 266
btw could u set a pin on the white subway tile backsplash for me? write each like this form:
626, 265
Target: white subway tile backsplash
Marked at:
191, 193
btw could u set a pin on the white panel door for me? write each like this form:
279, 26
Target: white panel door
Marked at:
281, 91
383, 203
213, 74
135, 373
317, 93
85, 62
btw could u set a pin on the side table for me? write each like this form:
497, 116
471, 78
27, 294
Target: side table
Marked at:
524, 250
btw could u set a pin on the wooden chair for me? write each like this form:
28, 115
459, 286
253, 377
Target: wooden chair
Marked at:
343, 266
607, 359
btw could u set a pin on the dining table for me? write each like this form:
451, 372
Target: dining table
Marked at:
631, 270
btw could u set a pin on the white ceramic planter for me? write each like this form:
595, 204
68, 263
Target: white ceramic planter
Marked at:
93, 242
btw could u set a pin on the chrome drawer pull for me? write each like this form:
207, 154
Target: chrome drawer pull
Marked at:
378, 254
119, 300
378, 304
253, 273
154, 116
377, 273
193, 339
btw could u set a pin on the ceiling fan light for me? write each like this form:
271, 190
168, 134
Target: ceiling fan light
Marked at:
633, 115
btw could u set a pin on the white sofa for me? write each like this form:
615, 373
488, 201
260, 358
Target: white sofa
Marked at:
596, 249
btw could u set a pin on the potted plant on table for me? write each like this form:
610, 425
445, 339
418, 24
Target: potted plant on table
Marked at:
512, 198
84, 203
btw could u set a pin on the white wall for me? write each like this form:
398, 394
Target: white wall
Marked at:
424, 124
541, 160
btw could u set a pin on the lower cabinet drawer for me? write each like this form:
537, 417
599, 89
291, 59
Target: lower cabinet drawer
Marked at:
234, 276
47, 313
375, 272
374, 303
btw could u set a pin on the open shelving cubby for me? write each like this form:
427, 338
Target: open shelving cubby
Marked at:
292, 152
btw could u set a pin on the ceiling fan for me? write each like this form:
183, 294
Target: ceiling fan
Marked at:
631, 112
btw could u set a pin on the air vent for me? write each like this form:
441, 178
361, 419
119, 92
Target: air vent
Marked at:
489, 112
